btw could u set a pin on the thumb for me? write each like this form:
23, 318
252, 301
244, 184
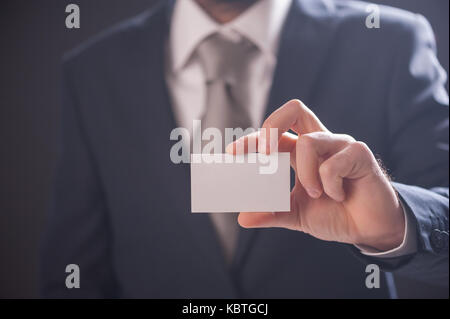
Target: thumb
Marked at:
287, 220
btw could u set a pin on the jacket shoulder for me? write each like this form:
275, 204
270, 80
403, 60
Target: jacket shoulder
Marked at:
395, 25
115, 42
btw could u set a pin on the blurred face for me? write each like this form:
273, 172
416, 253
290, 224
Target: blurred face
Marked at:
234, 1
224, 11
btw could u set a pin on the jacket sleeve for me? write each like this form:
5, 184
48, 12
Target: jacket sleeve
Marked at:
419, 151
78, 231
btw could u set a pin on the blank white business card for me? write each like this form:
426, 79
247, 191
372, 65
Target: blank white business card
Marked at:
224, 183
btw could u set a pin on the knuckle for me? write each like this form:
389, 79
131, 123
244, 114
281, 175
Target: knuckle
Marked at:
296, 103
320, 135
362, 152
360, 147
346, 138
306, 140
325, 169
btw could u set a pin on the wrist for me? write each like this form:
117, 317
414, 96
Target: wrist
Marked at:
392, 237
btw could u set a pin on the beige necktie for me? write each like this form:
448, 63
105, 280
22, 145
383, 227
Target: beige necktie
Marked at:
225, 64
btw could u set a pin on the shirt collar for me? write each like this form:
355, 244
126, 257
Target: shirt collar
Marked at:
261, 24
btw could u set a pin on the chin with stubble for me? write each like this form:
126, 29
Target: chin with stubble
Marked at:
224, 11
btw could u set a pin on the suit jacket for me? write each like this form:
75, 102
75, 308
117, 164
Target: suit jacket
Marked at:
121, 208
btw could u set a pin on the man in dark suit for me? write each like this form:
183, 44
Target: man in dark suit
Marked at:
121, 207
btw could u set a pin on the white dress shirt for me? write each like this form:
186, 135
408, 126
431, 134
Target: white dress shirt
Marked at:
262, 24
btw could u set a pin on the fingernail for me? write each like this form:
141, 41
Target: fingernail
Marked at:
314, 193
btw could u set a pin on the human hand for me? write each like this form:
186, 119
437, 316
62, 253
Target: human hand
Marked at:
341, 193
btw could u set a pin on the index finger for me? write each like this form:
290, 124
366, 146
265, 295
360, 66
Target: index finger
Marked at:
294, 115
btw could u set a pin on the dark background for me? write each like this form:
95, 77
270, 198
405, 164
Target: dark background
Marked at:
33, 38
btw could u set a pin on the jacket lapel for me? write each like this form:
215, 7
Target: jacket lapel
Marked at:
151, 87
303, 49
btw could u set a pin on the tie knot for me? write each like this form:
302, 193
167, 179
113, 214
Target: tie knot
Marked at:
225, 59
